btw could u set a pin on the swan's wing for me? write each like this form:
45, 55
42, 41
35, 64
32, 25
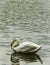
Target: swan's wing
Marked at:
38, 48
26, 47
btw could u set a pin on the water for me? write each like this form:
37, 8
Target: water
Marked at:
27, 20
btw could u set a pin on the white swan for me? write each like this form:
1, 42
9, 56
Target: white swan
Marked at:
24, 47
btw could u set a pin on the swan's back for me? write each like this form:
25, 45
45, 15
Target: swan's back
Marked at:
26, 47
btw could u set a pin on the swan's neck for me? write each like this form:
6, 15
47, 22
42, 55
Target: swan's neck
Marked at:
15, 44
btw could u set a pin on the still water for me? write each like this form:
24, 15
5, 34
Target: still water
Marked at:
27, 20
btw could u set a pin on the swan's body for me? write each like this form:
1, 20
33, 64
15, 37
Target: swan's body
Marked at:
25, 47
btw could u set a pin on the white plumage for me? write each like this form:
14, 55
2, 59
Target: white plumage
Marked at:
24, 47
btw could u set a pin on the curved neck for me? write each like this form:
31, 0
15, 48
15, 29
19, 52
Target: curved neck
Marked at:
14, 44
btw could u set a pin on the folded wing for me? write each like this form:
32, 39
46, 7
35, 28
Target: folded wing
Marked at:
26, 47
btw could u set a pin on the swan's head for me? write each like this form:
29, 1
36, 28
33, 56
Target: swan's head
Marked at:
15, 42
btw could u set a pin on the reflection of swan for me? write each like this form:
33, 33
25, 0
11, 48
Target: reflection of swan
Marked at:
17, 57
24, 47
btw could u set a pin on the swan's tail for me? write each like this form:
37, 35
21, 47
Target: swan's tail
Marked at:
39, 48
41, 45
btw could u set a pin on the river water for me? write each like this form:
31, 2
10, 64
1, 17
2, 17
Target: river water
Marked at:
27, 20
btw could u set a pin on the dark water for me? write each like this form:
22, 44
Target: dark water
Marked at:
27, 20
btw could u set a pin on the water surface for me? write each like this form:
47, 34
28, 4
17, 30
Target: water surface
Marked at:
27, 20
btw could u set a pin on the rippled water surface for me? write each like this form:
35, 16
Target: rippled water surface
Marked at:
27, 20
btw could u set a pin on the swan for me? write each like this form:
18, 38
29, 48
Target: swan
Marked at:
24, 47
